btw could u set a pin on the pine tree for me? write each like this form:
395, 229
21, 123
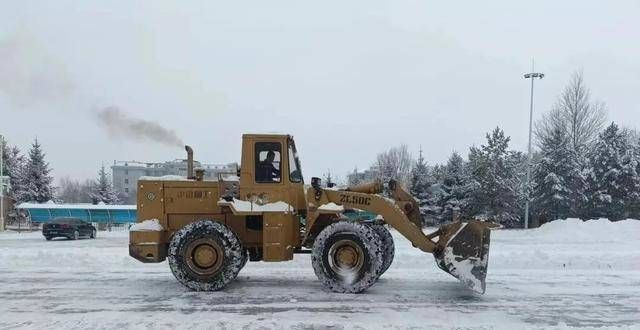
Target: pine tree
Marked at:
456, 189
631, 183
35, 180
633, 205
631, 173
608, 190
13, 165
495, 178
420, 185
438, 173
103, 191
552, 177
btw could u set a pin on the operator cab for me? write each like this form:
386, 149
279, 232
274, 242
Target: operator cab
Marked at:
274, 174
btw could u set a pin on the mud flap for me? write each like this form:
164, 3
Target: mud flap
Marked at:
463, 251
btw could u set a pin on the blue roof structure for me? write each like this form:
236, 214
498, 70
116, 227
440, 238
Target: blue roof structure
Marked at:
88, 212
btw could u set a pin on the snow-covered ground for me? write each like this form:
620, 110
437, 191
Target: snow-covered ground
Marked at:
565, 274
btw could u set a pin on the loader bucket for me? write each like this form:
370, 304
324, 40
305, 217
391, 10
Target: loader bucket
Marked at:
463, 251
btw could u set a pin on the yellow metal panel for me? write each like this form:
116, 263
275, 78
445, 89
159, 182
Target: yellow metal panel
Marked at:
191, 200
151, 201
277, 237
148, 246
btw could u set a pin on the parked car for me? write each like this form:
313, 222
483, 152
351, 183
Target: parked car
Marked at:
70, 228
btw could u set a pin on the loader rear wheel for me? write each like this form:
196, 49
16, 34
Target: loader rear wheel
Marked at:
245, 258
205, 255
347, 257
388, 246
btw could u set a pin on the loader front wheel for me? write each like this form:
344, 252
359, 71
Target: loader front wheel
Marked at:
388, 247
347, 257
205, 255
245, 258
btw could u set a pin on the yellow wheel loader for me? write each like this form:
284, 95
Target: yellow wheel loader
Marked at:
209, 229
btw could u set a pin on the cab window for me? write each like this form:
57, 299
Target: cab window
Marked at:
294, 164
268, 159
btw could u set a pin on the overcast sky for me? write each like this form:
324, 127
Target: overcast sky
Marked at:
347, 78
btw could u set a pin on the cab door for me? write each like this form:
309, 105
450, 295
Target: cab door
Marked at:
295, 180
264, 172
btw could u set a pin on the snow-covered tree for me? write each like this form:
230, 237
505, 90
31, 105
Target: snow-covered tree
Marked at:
495, 177
456, 189
420, 186
552, 176
438, 172
103, 189
35, 180
613, 178
633, 174
581, 119
13, 165
631, 183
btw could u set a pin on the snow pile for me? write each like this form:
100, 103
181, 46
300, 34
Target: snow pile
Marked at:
147, 225
600, 230
248, 206
332, 207
163, 178
230, 177
604, 245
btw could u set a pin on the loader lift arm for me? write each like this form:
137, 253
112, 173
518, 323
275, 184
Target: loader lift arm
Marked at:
387, 208
461, 249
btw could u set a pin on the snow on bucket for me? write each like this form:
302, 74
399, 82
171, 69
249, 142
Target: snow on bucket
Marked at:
465, 254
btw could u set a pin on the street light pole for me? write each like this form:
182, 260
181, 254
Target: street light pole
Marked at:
531, 76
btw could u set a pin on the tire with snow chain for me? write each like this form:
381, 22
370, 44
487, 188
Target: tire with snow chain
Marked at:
347, 257
205, 255
245, 258
388, 247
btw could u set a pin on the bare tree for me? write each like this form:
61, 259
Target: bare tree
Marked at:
395, 163
73, 191
574, 113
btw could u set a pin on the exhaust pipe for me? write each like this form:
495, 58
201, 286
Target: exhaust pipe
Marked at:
189, 162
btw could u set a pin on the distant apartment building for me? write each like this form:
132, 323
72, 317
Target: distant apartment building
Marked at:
126, 173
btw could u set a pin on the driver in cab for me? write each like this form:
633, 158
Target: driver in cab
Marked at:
268, 171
